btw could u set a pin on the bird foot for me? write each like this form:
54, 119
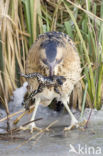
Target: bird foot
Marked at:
71, 127
32, 127
47, 129
76, 124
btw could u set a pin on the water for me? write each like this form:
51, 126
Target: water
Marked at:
56, 142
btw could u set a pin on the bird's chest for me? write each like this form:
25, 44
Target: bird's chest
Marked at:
47, 94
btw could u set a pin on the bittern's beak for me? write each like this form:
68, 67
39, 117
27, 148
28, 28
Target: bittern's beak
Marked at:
52, 65
51, 68
51, 71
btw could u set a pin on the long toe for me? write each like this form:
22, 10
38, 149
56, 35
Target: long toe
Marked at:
35, 128
71, 127
24, 128
30, 127
80, 125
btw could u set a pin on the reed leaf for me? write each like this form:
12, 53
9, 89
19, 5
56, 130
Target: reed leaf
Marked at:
21, 21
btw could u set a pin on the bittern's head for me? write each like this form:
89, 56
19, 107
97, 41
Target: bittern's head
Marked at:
51, 54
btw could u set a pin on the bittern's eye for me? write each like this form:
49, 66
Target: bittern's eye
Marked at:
58, 61
45, 61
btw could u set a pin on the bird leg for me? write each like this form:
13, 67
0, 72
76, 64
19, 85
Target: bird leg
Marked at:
74, 121
32, 126
43, 81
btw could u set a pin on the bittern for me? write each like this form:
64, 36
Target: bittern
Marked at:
53, 53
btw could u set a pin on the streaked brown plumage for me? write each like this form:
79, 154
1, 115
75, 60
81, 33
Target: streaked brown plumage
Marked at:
54, 53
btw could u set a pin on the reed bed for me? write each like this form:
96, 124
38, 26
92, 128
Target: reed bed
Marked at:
21, 21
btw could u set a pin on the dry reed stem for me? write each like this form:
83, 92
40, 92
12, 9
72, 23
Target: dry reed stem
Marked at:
38, 134
11, 47
24, 113
16, 113
14, 130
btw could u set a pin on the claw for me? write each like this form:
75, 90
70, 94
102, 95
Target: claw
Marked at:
32, 127
35, 129
80, 125
47, 129
76, 125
